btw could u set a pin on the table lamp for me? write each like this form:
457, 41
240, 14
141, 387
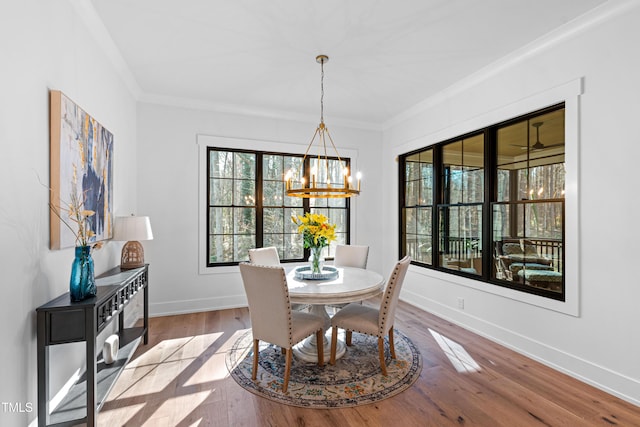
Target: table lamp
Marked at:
132, 229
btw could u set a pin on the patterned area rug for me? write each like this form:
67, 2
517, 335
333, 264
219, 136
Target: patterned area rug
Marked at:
354, 380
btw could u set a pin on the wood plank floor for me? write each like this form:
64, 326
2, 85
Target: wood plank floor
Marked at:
180, 379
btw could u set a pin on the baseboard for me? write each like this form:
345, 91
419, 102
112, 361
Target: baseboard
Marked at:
196, 305
603, 378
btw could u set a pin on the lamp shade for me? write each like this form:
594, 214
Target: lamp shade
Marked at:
134, 228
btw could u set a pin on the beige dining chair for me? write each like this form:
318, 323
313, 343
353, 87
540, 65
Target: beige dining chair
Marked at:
264, 256
269, 256
351, 256
272, 319
372, 321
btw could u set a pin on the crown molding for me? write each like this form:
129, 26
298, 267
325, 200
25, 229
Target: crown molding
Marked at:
204, 105
588, 20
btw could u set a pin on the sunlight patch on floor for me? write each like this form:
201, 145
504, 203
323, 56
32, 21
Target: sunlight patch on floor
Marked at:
166, 412
458, 356
242, 351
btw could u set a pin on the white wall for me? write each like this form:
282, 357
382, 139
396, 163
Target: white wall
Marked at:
168, 188
45, 45
599, 344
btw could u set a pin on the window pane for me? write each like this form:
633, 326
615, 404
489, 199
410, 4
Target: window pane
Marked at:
426, 184
244, 221
532, 256
293, 164
417, 224
318, 203
245, 166
242, 246
272, 193
221, 164
220, 220
422, 251
418, 240
412, 168
461, 238
412, 193
273, 220
289, 225
339, 218
293, 246
221, 191
272, 167
463, 170
221, 248
276, 240
244, 193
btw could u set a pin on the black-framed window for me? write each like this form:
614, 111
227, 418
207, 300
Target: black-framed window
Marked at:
489, 205
247, 206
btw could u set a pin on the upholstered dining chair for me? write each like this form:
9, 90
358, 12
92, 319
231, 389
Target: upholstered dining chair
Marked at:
269, 256
264, 256
372, 321
272, 319
351, 256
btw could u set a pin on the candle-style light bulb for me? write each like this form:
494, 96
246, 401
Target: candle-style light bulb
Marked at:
287, 179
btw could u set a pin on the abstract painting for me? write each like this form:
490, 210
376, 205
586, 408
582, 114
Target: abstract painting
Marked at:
81, 166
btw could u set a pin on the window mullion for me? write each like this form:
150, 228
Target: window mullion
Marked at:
259, 202
490, 191
438, 192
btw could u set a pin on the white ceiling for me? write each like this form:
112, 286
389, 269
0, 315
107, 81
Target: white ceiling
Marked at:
259, 56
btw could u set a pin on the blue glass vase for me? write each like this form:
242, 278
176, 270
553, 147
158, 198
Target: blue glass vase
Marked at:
83, 282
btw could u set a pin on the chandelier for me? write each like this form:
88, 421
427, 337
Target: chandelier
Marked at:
317, 181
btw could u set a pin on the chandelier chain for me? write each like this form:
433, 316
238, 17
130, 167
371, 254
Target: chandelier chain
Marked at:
322, 91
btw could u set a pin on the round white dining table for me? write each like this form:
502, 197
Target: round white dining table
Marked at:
351, 285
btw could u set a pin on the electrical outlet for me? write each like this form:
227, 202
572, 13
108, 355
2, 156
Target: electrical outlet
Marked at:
461, 303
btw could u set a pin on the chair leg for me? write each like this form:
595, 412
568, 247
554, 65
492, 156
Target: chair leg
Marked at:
392, 348
320, 346
256, 353
334, 344
383, 367
348, 337
287, 370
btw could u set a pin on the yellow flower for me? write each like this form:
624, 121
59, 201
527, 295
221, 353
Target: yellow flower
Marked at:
315, 229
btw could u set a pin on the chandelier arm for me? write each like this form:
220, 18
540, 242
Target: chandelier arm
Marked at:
334, 146
326, 158
311, 143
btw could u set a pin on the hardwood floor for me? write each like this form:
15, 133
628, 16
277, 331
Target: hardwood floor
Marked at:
180, 379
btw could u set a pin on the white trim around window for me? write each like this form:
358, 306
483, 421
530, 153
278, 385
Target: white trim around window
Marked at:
569, 93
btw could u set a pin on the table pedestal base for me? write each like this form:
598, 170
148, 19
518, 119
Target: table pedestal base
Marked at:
307, 350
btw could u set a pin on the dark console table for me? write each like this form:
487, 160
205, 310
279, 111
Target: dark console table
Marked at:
61, 321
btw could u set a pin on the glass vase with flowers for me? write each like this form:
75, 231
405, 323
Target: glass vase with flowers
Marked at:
317, 234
